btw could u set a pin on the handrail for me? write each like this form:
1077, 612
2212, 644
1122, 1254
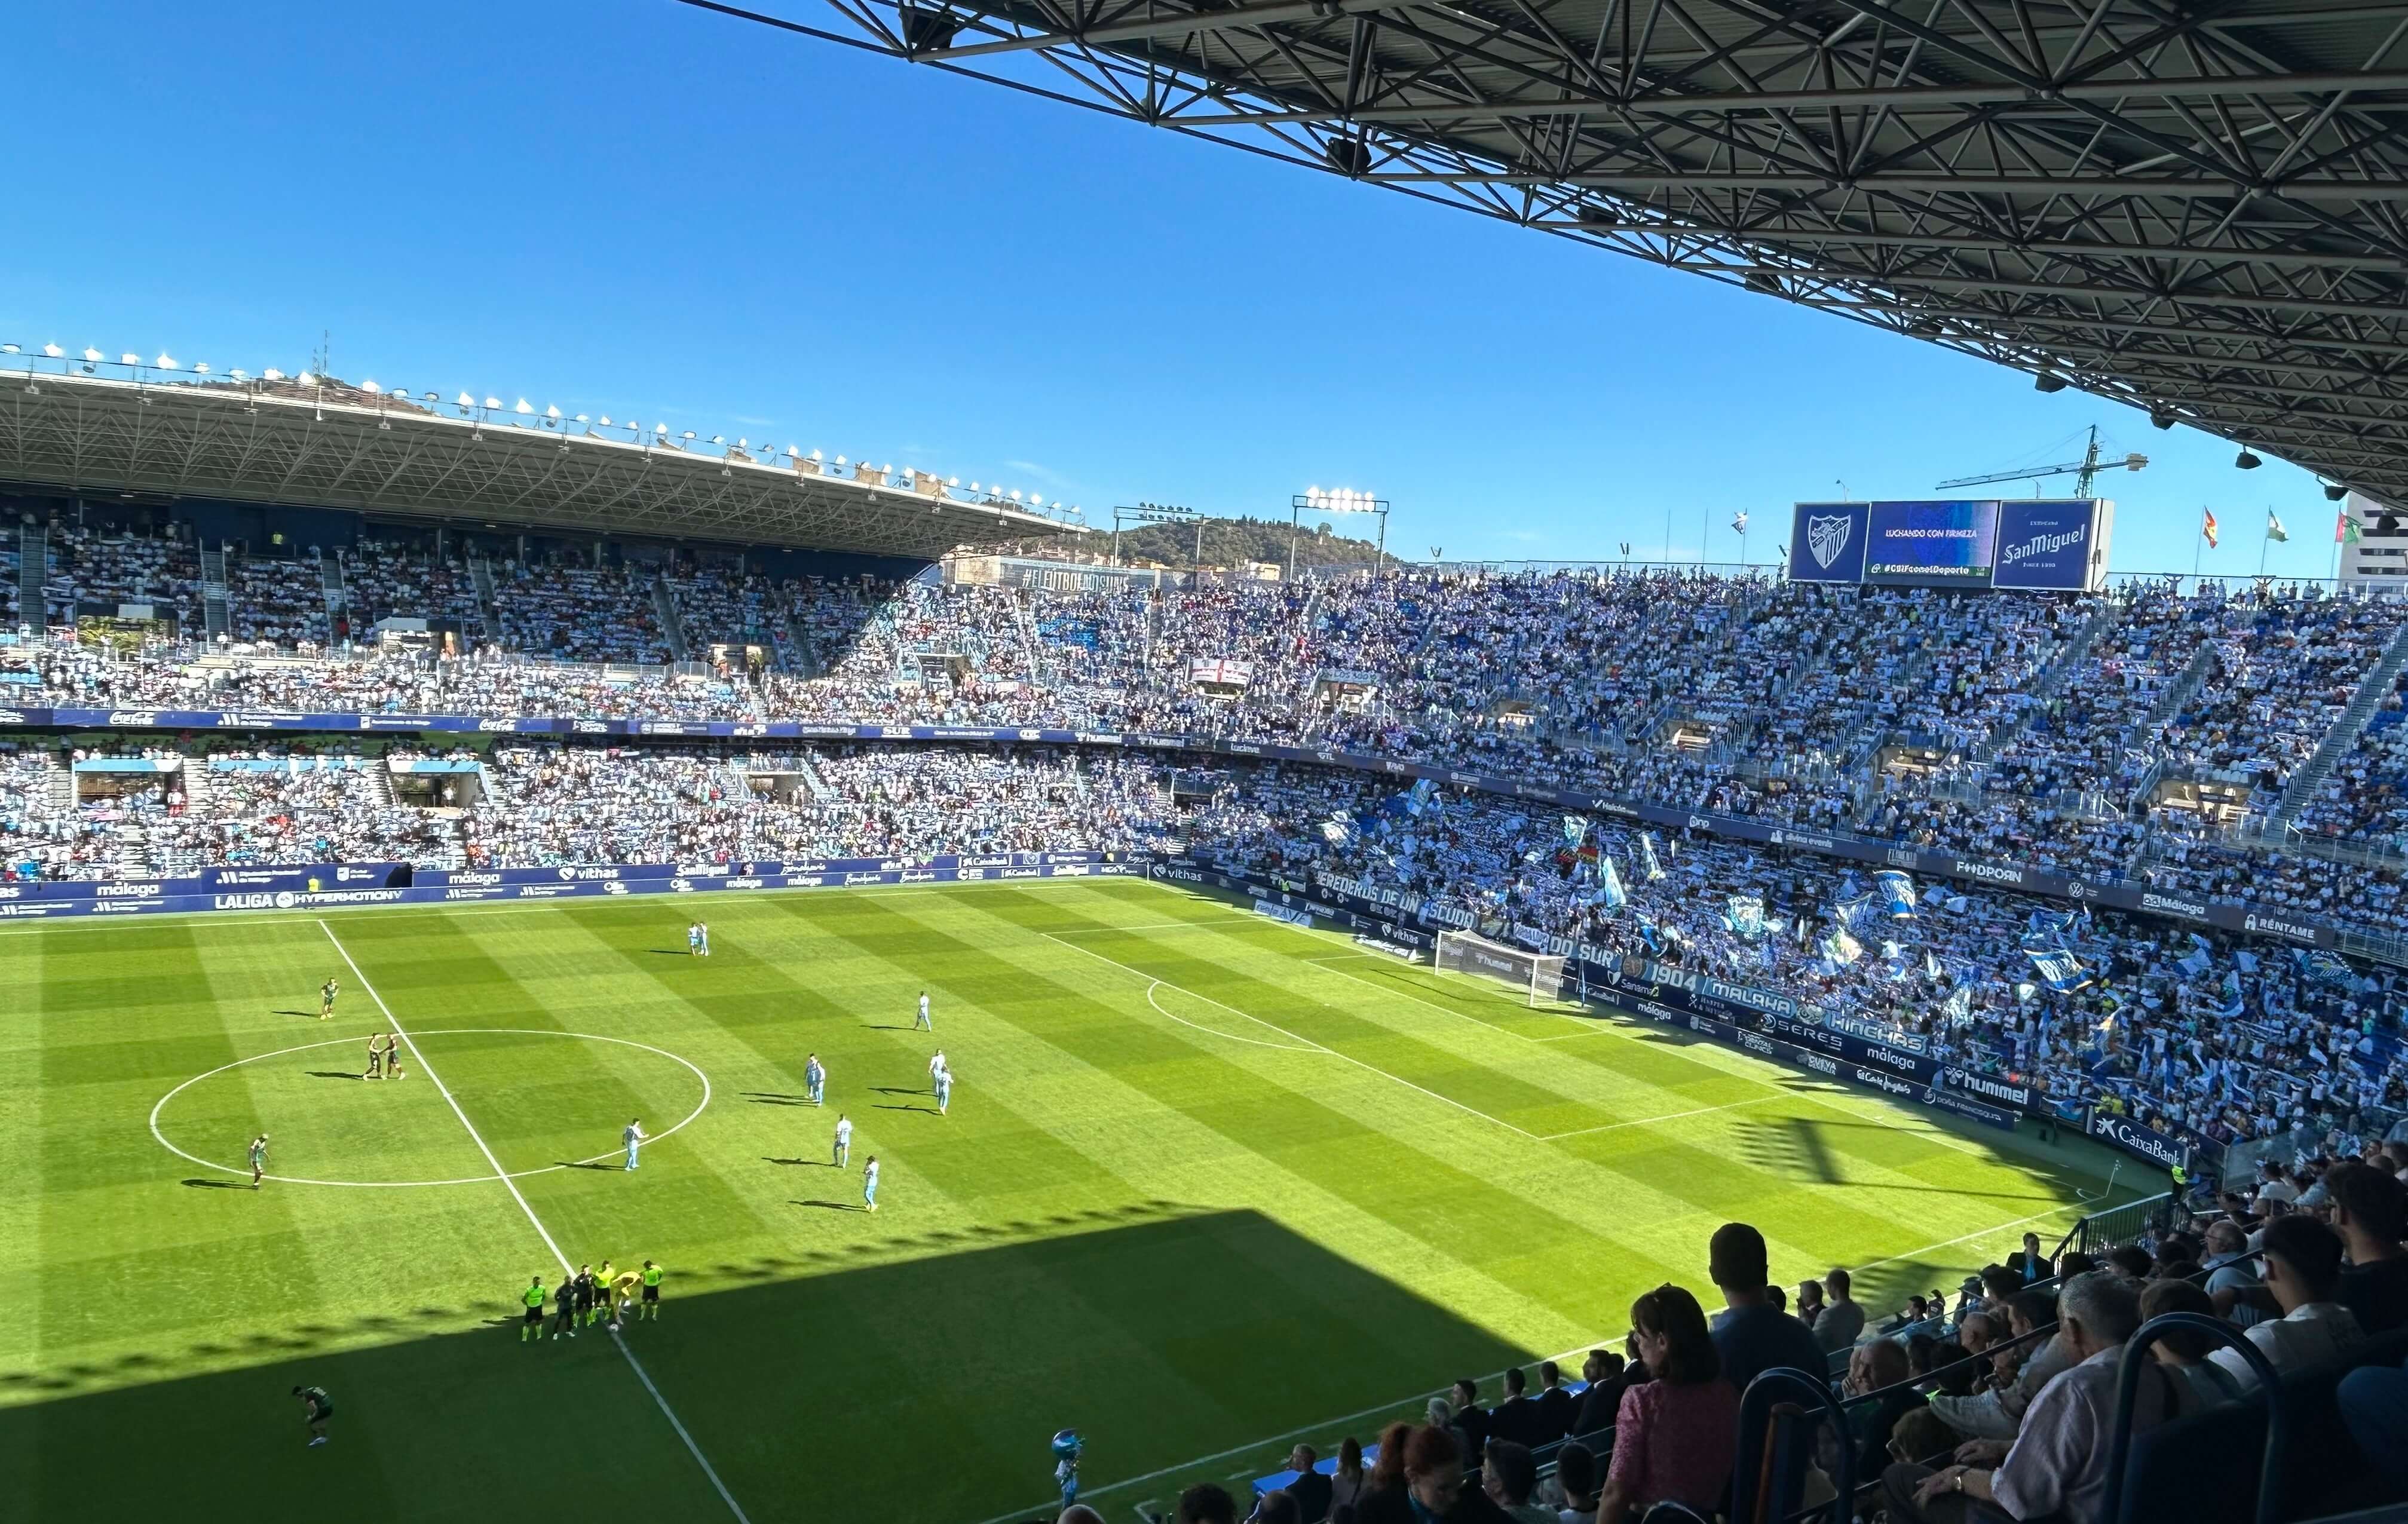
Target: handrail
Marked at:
2128, 1383
1753, 1417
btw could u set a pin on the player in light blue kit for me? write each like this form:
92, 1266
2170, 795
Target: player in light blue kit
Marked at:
694, 938
936, 1066
814, 1079
944, 1089
843, 1139
922, 1022
869, 1184
1067, 1447
703, 929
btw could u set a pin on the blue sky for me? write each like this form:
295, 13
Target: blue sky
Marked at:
632, 207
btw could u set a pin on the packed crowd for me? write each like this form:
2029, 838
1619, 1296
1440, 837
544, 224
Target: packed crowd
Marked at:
1995, 1404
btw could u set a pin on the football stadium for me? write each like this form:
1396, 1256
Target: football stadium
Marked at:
563, 967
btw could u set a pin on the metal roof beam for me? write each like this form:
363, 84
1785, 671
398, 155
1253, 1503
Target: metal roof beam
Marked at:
2047, 187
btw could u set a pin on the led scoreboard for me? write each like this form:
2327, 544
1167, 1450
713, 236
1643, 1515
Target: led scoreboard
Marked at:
1975, 543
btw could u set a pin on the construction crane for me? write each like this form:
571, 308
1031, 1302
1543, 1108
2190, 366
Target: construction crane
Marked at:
2083, 471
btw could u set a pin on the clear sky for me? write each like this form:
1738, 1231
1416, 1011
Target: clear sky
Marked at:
633, 208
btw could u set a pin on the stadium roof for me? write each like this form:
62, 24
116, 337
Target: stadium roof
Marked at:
2196, 209
333, 446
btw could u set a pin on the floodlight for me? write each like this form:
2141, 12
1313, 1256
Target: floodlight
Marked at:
1015, 494
2246, 462
581, 418
371, 389
129, 359
92, 355
688, 434
816, 454
271, 374
886, 470
8, 349
164, 361
716, 438
493, 402
467, 400
661, 428
952, 481
551, 411
2044, 381
2335, 492
52, 351
839, 459
430, 396
741, 443
793, 454
523, 406
305, 378
974, 487
200, 367
607, 423
238, 376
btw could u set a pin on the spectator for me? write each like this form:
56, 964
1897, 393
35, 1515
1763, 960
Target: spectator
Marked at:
1843, 1321
1608, 1375
2029, 1263
1810, 1302
1878, 1366
1277, 1506
1509, 1477
1576, 1480
2057, 1466
1517, 1417
2370, 1208
1205, 1503
1079, 1513
1311, 1490
1346, 1484
2016, 1375
1677, 1436
1420, 1479
2131, 1261
1472, 1424
1749, 1335
2183, 1352
2303, 1274
1555, 1404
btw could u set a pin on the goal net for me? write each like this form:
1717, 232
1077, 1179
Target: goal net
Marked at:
1539, 975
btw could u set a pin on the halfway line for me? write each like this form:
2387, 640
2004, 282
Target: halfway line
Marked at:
541, 1232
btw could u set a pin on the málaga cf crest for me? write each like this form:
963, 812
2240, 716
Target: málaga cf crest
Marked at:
1827, 538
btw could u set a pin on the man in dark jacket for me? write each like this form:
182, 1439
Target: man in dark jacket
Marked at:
1557, 1408
1751, 1336
1608, 1375
1311, 1490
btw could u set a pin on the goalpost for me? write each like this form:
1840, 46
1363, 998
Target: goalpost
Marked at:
1541, 975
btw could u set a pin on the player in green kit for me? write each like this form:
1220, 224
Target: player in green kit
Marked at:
320, 1407
327, 993
531, 1326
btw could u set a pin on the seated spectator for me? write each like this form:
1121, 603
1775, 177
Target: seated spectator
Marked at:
2370, 1208
1749, 1335
1677, 1436
2029, 1263
1347, 1483
1555, 1404
2057, 1467
1277, 1506
1509, 1476
1517, 1417
1576, 1483
1420, 1479
1311, 1490
2183, 1351
2017, 1374
1608, 1375
2303, 1274
1879, 1366
1843, 1321
2131, 1261
1810, 1302
1471, 1423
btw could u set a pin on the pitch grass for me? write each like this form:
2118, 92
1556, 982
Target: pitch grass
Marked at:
1209, 1181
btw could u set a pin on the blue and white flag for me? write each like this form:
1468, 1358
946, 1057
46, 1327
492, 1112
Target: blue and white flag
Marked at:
1898, 890
1608, 885
2194, 963
2326, 967
2058, 968
1652, 869
1743, 914
1575, 831
1852, 913
1959, 1006
1649, 933
1841, 949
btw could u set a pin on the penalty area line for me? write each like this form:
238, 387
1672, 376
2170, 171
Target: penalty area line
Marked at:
541, 1232
1310, 1045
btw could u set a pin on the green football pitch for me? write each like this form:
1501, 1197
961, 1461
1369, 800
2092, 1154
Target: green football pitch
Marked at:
1209, 1183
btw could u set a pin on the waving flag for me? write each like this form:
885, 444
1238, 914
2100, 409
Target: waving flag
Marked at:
1959, 1006
1739, 522
2346, 530
2274, 530
1575, 830
1743, 914
2059, 969
1899, 890
1609, 886
1652, 869
2207, 527
1841, 949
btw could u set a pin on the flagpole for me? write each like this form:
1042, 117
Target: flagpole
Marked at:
2198, 544
2268, 542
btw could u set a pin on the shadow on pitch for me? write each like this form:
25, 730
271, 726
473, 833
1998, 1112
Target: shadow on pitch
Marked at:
876, 1026
306, 1016
585, 1164
899, 1090
886, 1106
1182, 1285
834, 1206
199, 1184
771, 1098
805, 1163
332, 1074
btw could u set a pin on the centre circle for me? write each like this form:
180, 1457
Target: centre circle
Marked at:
412, 1041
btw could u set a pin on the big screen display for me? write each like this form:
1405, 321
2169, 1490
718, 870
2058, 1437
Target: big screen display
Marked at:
1826, 543
2059, 544
1938, 544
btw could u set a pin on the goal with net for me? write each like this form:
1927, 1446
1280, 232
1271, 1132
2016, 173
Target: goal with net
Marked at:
1537, 975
